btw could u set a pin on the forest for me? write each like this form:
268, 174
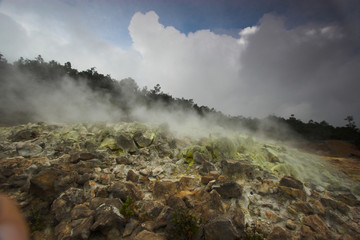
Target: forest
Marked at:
123, 95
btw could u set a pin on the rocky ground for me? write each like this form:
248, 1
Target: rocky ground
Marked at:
136, 181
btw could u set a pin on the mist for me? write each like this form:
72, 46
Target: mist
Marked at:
24, 98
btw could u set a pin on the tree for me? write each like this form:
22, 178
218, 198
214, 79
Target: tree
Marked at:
351, 123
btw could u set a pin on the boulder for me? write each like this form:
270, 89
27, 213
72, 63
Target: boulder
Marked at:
292, 193
228, 189
278, 233
81, 228
106, 217
80, 211
28, 149
132, 176
347, 198
238, 168
314, 228
124, 189
143, 139
126, 143
76, 157
150, 208
206, 167
24, 135
165, 188
220, 228
288, 181
130, 227
146, 235
335, 205
63, 205
303, 207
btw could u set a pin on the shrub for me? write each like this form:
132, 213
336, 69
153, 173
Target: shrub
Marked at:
186, 225
128, 208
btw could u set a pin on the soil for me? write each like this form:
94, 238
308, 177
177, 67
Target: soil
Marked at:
342, 155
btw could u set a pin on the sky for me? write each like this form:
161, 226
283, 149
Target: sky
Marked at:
245, 57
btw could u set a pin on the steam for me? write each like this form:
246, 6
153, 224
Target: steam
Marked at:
64, 100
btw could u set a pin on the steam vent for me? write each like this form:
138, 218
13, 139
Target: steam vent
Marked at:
139, 181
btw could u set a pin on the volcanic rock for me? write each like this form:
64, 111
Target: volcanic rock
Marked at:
221, 227
228, 189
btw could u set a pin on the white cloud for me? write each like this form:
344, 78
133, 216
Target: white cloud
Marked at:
311, 70
268, 70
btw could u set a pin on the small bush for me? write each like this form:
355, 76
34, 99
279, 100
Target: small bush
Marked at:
186, 225
128, 208
35, 220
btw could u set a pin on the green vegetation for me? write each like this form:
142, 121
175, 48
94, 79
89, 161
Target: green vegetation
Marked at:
35, 220
128, 208
186, 225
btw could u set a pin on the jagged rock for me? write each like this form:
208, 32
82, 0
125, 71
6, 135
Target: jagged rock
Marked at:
107, 216
237, 168
63, 231
314, 228
228, 189
219, 228
126, 143
290, 224
206, 168
123, 160
293, 192
124, 189
175, 202
132, 176
76, 157
238, 218
42, 184
165, 188
153, 225
206, 179
81, 228
199, 158
336, 205
146, 235
63, 205
143, 139
187, 183
151, 209
130, 227
96, 202
278, 233
114, 233
144, 172
24, 135
157, 171
288, 181
272, 216
347, 198
28, 149
80, 211
303, 207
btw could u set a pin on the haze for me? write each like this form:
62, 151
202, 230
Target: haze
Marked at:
240, 58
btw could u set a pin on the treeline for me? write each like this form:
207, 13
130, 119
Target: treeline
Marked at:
125, 94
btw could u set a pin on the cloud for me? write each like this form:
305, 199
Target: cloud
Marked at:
310, 70
60, 32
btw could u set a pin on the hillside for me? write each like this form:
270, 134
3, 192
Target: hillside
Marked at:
145, 181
